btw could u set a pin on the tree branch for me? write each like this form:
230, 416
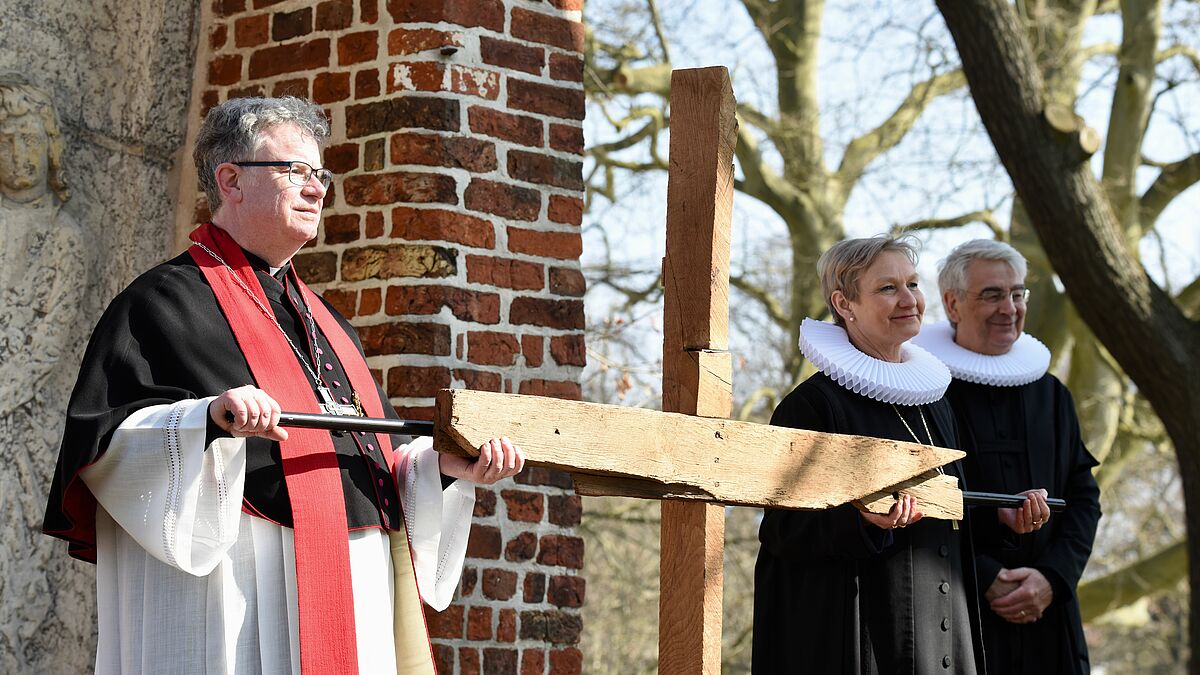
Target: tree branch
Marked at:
1189, 299
985, 216
1152, 574
769, 302
1172, 180
866, 148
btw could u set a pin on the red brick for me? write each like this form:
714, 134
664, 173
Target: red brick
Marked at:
489, 348
366, 84
512, 55
358, 47
565, 390
341, 158
501, 199
568, 350
499, 584
374, 224
402, 112
565, 210
485, 503
469, 13
567, 661
259, 4
335, 14
443, 656
478, 380
441, 225
447, 624
465, 304
412, 41
208, 100
225, 70
533, 662
545, 99
292, 58
416, 76
287, 25
331, 87
424, 413
521, 548
506, 629
535, 167
468, 658
224, 8
370, 300
479, 623
505, 272
217, 36
567, 281
316, 268
391, 261
373, 154
562, 245
523, 506
498, 661
370, 10
400, 186
540, 475
573, 5
533, 349
340, 229
248, 92
566, 138
296, 87
405, 338
563, 67
546, 29
565, 510
484, 542
417, 381
551, 626
467, 581
474, 82
566, 591
455, 152
516, 128
343, 301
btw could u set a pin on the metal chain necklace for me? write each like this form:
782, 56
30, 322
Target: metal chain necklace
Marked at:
910, 431
327, 401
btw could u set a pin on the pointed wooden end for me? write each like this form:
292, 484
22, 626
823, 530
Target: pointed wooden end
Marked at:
938, 496
445, 438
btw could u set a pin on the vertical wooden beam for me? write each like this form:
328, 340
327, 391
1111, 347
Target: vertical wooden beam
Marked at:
697, 377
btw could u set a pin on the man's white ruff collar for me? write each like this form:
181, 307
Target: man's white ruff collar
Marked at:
918, 379
1026, 362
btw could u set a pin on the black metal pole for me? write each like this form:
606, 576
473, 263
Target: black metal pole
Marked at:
1007, 501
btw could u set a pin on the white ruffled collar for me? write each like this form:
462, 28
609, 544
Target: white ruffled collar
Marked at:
918, 379
1026, 362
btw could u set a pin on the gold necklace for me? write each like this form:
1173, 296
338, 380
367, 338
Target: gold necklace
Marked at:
910, 431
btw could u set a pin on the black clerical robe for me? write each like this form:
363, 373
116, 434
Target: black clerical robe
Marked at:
1016, 439
835, 594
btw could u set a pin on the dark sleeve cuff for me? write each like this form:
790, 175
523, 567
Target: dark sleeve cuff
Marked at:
447, 481
212, 432
1060, 586
986, 570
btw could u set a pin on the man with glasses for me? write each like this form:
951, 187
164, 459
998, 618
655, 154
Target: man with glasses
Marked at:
225, 543
1018, 425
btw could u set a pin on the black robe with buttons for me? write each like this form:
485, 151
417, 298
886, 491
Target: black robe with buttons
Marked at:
164, 339
835, 594
1016, 439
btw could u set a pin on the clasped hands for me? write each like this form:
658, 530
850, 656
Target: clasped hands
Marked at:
255, 413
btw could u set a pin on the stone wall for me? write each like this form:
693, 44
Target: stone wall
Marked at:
118, 74
451, 239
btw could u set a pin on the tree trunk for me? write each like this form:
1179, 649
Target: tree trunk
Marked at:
1139, 324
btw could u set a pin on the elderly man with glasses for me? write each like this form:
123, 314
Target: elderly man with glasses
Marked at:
1019, 428
224, 543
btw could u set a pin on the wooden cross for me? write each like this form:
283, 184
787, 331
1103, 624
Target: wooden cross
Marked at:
690, 456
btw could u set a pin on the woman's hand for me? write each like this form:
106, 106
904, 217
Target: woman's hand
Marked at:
902, 514
498, 458
1031, 516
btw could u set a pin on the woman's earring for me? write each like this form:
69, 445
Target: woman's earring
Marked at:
851, 318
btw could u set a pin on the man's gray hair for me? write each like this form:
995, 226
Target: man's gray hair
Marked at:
844, 262
232, 131
952, 271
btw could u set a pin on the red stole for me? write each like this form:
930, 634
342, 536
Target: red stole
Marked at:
324, 592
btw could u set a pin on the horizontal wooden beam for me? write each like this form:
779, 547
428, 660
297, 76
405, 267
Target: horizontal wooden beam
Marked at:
653, 454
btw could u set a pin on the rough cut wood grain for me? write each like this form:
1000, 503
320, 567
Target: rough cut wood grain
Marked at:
685, 456
938, 496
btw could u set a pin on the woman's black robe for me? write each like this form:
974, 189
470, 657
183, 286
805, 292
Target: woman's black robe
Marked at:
835, 594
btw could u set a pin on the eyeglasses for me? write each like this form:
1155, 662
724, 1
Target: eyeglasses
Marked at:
299, 173
994, 296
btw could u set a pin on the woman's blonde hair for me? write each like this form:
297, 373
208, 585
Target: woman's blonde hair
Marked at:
844, 262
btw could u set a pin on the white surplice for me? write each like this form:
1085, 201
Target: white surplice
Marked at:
188, 583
